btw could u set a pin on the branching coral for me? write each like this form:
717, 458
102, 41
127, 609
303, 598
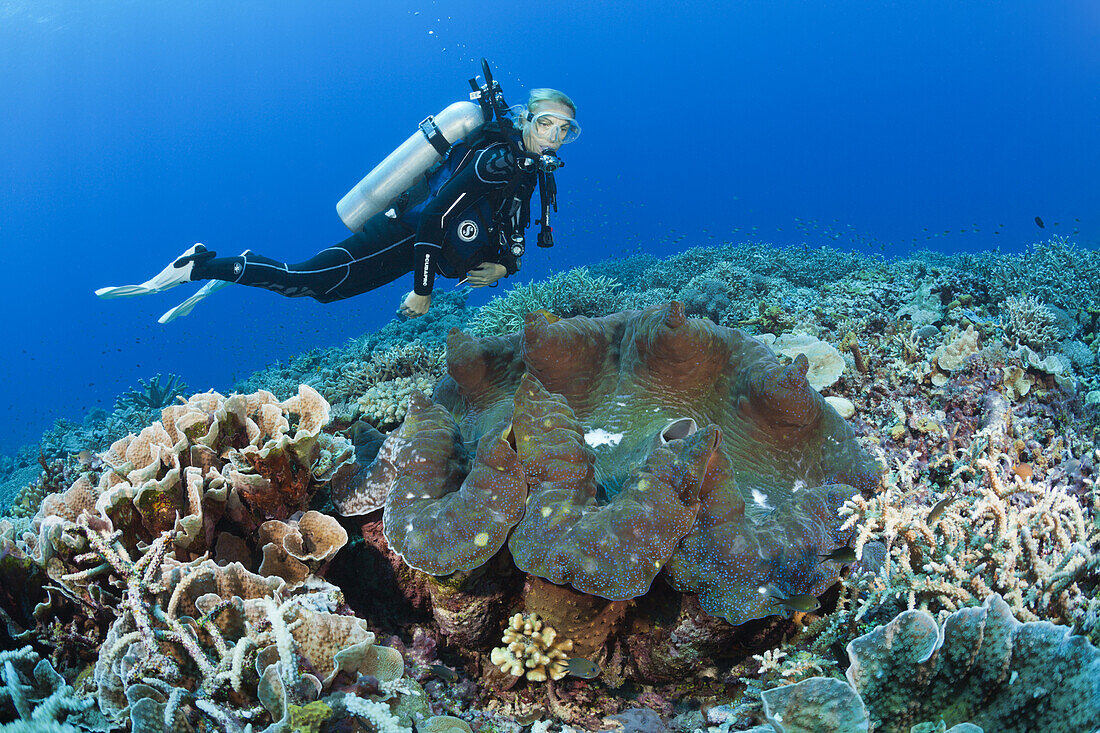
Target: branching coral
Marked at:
196, 639
566, 294
1026, 319
1002, 533
532, 649
153, 394
411, 361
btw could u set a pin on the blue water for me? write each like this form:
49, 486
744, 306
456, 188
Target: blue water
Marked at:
129, 130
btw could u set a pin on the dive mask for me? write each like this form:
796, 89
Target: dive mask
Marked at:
554, 127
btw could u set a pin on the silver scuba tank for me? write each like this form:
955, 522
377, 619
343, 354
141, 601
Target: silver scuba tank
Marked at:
412, 159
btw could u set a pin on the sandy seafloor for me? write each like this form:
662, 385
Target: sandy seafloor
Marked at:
972, 380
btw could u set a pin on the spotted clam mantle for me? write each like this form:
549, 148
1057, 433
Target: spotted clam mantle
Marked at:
603, 450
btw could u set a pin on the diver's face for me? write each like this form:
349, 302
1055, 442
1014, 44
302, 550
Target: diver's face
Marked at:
547, 133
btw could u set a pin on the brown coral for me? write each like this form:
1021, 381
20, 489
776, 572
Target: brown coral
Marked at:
299, 546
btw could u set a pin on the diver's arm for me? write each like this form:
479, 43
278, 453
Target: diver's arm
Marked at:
425, 254
485, 273
490, 170
414, 305
508, 261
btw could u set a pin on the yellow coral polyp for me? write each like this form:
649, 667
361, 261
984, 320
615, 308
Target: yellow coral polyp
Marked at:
532, 650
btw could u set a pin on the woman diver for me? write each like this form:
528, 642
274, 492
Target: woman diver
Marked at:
432, 207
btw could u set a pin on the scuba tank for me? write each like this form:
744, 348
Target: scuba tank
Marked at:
430, 144
403, 166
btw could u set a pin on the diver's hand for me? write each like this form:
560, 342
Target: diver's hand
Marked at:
415, 305
486, 273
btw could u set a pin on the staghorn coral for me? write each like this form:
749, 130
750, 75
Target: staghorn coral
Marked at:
1026, 319
981, 666
33, 693
153, 395
597, 419
1033, 546
566, 294
532, 650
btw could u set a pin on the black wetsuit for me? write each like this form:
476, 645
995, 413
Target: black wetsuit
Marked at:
458, 215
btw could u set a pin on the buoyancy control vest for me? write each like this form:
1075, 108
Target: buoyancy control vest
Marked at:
486, 228
404, 178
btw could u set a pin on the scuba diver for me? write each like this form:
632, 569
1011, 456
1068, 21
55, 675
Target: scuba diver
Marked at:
453, 200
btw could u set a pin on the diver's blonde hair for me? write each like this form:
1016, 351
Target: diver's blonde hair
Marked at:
549, 95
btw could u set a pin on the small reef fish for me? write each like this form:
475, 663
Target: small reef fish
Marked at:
586, 669
1039, 223
550, 317
842, 555
443, 672
801, 602
939, 507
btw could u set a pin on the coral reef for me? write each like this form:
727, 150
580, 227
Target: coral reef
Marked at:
973, 379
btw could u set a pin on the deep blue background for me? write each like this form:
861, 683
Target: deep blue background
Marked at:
129, 130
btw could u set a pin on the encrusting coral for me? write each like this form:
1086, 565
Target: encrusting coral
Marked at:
591, 464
